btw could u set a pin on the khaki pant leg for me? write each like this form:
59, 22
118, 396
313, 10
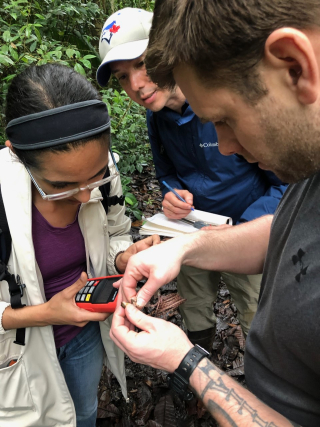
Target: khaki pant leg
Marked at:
244, 290
199, 288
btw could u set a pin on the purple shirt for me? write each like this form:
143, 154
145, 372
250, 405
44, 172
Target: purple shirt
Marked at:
61, 256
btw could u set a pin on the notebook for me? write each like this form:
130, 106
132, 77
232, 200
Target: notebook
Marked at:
160, 224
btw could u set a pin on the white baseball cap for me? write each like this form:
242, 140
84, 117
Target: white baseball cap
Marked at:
124, 36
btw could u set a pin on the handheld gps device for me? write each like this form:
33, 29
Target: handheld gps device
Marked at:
99, 295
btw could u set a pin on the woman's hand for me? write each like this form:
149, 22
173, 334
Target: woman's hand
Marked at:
123, 258
63, 310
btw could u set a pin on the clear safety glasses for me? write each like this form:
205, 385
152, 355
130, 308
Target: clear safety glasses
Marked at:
70, 193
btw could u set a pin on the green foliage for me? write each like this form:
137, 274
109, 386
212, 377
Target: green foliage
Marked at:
38, 32
129, 131
130, 199
111, 6
129, 139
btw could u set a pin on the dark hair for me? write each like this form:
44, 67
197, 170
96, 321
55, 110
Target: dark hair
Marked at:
41, 88
223, 41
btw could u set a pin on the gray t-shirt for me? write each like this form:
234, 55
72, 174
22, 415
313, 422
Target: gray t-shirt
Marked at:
282, 360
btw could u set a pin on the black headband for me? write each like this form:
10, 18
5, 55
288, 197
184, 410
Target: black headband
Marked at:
58, 125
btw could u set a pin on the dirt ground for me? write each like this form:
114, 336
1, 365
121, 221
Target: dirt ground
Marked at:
151, 403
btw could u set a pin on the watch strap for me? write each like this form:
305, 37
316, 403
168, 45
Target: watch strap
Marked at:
179, 379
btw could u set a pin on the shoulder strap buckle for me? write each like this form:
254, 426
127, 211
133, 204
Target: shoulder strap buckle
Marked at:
18, 288
115, 200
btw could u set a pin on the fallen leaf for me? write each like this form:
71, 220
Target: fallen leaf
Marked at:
164, 412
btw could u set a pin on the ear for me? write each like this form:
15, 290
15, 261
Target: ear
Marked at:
8, 144
291, 51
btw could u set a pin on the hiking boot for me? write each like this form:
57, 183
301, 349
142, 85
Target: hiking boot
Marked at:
203, 338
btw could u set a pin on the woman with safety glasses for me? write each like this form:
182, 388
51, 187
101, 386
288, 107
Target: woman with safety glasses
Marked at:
57, 158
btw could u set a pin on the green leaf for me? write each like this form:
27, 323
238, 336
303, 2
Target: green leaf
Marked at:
28, 31
33, 46
79, 69
5, 49
70, 53
6, 36
86, 63
5, 60
30, 58
37, 33
40, 16
14, 15
14, 53
89, 56
10, 77
58, 54
16, 38
137, 214
130, 198
64, 63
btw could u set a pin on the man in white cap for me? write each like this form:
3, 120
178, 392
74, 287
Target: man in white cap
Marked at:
187, 157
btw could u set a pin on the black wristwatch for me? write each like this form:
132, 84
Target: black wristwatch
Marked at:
179, 379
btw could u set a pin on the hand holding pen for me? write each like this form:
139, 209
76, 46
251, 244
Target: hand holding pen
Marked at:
173, 206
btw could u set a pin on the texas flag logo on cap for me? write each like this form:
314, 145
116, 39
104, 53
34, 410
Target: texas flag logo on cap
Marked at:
109, 31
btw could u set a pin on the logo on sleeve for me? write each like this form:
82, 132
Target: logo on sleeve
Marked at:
209, 144
297, 259
109, 31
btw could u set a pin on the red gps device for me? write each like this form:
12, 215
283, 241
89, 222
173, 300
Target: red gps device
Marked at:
99, 295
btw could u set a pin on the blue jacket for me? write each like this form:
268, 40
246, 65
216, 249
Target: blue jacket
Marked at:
186, 156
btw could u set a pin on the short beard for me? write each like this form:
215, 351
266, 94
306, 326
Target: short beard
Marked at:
294, 140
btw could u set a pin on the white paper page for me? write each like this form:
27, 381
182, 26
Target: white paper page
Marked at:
160, 221
161, 232
160, 224
209, 217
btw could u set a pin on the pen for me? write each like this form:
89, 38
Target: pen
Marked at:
175, 193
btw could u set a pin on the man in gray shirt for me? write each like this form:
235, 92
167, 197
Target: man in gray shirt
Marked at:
252, 68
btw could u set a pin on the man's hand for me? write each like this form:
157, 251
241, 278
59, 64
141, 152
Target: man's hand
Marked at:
123, 258
62, 309
161, 344
173, 208
159, 264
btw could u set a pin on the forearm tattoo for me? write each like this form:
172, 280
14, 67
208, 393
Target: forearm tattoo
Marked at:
230, 396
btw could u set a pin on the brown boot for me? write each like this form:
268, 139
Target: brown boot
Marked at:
203, 338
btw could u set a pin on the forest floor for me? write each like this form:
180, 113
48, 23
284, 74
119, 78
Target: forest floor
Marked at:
151, 403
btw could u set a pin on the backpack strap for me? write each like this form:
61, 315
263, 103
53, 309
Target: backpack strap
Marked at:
5, 236
105, 191
15, 286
